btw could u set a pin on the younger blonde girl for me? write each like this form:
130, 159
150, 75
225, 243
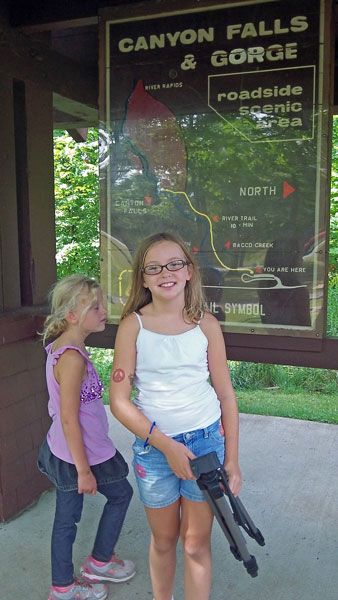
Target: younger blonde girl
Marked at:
77, 455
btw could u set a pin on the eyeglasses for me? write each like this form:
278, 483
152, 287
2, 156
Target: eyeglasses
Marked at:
173, 265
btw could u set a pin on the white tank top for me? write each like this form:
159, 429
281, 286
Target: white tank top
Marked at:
171, 378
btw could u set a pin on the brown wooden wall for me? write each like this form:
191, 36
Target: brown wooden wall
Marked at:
23, 416
27, 270
30, 73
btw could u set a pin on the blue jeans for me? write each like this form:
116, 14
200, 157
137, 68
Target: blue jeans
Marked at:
68, 514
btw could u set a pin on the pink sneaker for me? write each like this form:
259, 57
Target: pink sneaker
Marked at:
115, 570
78, 591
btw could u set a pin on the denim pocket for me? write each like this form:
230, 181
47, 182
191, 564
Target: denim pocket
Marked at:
138, 447
113, 469
217, 433
62, 474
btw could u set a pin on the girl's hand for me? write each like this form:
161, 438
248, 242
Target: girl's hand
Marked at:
178, 457
234, 477
86, 483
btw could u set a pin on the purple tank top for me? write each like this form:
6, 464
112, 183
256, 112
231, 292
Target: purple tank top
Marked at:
92, 414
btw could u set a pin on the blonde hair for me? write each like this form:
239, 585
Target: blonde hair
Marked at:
140, 296
64, 296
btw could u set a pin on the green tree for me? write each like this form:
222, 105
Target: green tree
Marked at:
333, 255
77, 204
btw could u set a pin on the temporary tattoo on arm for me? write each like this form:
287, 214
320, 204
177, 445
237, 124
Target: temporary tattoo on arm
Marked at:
131, 378
118, 375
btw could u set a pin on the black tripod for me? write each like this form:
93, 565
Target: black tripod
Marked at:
230, 514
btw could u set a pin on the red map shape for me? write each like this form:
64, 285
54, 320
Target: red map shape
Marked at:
157, 138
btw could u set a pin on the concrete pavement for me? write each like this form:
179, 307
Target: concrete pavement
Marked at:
290, 488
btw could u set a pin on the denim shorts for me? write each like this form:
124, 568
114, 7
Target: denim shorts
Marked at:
158, 485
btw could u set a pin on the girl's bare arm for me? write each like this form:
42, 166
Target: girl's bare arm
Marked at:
221, 381
70, 371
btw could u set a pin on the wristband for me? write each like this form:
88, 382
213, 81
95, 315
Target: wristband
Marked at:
149, 434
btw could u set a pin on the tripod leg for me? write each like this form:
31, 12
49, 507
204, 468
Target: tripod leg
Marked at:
209, 473
222, 523
240, 514
224, 510
232, 532
251, 528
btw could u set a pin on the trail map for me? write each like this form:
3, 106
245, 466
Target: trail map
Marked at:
213, 128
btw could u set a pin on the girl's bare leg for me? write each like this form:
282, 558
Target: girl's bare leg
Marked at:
196, 523
165, 527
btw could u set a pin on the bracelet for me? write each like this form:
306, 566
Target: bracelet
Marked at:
149, 434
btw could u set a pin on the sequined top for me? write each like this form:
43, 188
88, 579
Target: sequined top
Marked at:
92, 414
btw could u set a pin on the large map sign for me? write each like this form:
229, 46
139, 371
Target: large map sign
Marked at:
213, 125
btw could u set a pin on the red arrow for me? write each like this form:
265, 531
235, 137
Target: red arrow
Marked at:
195, 249
287, 189
215, 219
148, 200
227, 245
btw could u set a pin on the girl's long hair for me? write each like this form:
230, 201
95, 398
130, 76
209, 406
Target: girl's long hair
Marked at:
140, 296
64, 296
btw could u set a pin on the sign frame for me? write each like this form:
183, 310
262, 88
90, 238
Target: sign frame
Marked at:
251, 338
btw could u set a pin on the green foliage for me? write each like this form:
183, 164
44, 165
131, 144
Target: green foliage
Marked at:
332, 309
292, 380
252, 375
333, 255
219, 163
103, 360
312, 407
76, 204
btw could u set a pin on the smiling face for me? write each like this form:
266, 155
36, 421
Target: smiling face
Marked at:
167, 284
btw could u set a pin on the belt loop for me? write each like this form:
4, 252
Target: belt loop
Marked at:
205, 433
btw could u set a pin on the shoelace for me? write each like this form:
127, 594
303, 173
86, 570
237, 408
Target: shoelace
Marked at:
81, 585
117, 560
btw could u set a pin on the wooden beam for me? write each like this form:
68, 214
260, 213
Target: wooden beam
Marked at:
26, 268
69, 110
9, 253
78, 135
55, 25
28, 59
67, 122
39, 127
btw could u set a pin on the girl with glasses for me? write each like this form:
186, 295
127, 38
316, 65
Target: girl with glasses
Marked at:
171, 348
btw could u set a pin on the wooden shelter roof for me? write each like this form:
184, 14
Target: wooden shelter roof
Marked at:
47, 38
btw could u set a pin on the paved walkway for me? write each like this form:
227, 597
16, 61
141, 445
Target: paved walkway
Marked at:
290, 488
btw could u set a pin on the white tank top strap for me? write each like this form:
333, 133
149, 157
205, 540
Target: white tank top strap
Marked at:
201, 317
139, 319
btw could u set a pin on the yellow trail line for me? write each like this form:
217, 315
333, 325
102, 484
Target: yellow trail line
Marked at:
211, 233
120, 281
